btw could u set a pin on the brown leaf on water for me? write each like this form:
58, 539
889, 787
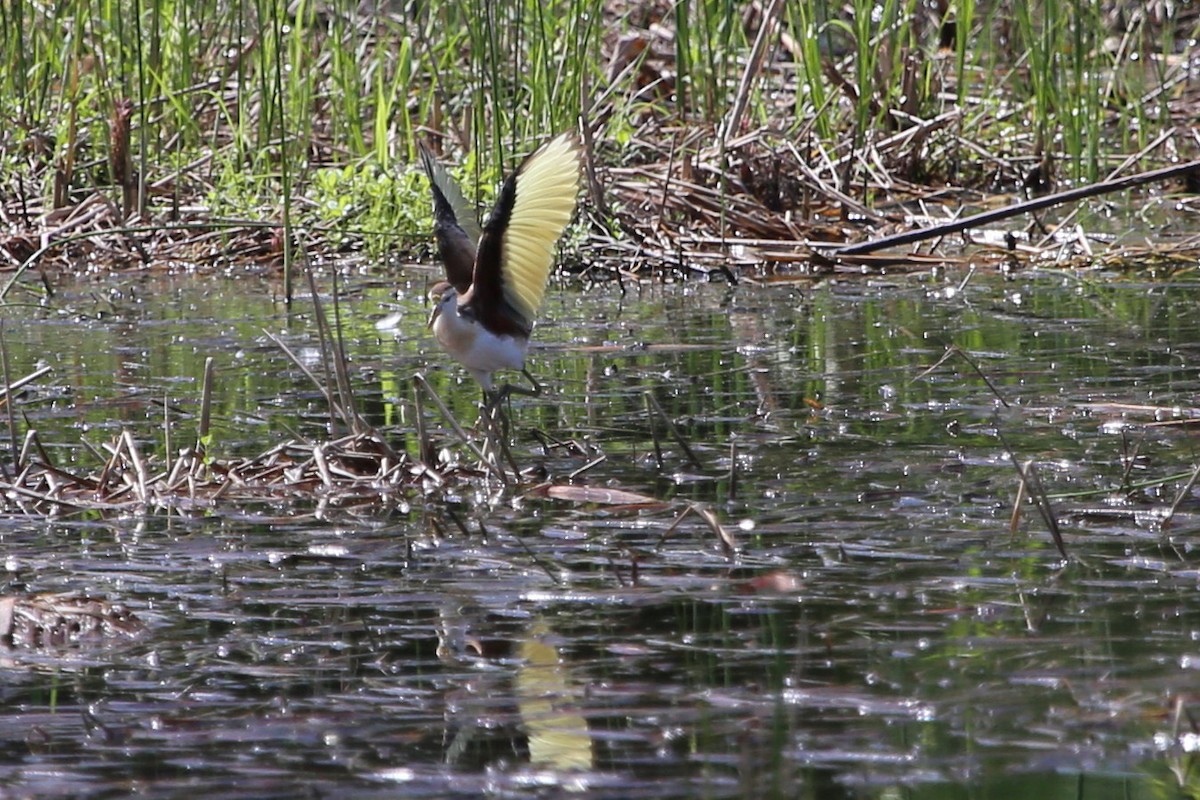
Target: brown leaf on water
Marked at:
775, 582
599, 494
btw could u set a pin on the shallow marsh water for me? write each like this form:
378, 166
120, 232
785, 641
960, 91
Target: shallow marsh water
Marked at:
881, 632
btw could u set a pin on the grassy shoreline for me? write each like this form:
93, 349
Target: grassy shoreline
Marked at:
188, 133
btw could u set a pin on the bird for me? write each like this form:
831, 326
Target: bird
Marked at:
496, 274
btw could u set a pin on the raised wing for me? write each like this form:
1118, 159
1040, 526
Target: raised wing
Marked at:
454, 223
516, 250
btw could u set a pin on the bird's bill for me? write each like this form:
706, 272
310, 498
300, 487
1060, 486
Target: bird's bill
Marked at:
433, 315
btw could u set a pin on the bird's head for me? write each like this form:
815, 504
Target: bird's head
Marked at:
444, 298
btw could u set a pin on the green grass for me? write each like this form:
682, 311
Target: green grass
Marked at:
307, 114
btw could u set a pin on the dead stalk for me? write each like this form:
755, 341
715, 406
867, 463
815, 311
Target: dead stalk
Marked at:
1015, 520
110, 463
586, 467
955, 350
539, 561
27, 446
616, 571
420, 380
675, 434
1180, 497
8, 407
733, 469
6, 390
724, 537
176, 474
42, 454
339, 404
1028, 207
753, 68
1037, 493
166, 424
139, 467
425, 449
658, 456
318, 452
341, 364
1131, 457
206, 390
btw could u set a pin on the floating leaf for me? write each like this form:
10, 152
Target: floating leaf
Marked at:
598, 494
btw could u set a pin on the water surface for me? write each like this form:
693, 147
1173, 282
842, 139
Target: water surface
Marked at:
881, 630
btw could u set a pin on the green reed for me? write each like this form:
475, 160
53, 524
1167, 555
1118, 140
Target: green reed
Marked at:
1066, 68
807, 23
259, 96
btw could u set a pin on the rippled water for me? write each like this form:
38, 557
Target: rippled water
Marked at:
882, 629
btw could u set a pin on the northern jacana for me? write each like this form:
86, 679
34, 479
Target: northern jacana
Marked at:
496, 276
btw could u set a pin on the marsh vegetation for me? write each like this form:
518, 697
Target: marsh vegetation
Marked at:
789, 521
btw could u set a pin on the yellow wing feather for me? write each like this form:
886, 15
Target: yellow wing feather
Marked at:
546, 188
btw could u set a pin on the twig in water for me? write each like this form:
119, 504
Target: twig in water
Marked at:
5, 391
1014, 519
139, 468
733, 469
537, 559
1131, 457
205, 405
420, 380
322, 465
166, 424
955, 350
616, 571
110, 464
458, 523
1037, 493
321, 387
658, 456
331, 350
8, 408
32, 441
424, 445
600, 459
658, 545
91, 448
728, 545
971, 270
549, 442
675, 434
1180, 497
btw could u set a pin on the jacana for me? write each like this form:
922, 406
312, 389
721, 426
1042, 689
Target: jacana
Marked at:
496, 276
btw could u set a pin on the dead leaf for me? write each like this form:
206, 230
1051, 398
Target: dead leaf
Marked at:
598, 494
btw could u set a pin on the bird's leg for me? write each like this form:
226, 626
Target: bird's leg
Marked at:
496, 429
491, 414
508, 389
536, 387
493, 401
